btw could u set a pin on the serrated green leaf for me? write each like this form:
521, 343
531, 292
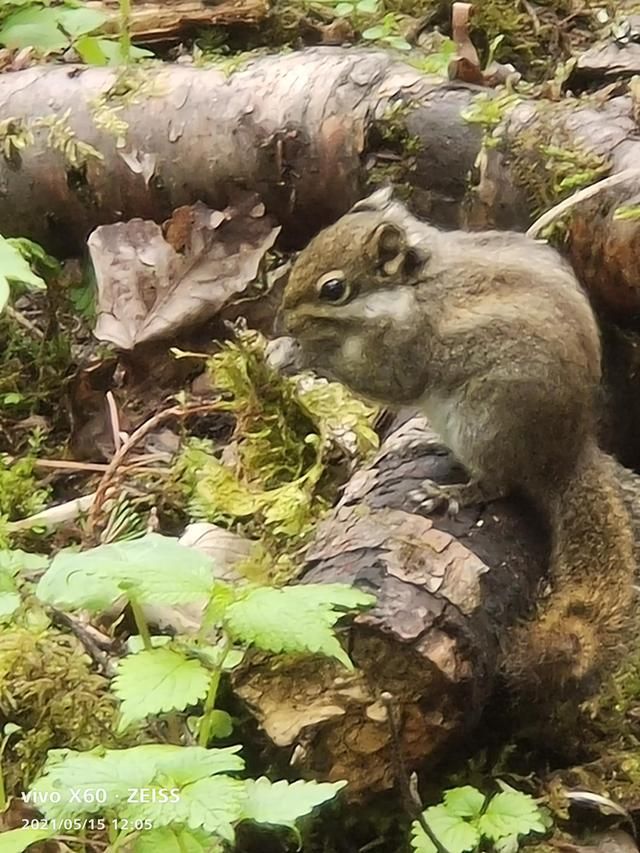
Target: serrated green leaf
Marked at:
511, 813
115, 771
154, 569
297, 619
35, 27
282, 803
157, 681
213, 804
17, 840
420, 841
454, 833
465, 801
175, 839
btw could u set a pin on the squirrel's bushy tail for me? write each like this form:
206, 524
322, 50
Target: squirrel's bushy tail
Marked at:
586, 618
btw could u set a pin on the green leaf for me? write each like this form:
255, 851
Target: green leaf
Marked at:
9, 603
135, 643
14, 268
17, 840
115, 771
466, 801
213, 804
35, 27
90, 50
175, 839
454, 833
153, 569
220, 725
374, 33
369, 7
282, 803
511, 813
104, 51
343, 10
297, 619
156, 681
397, 42
15, 561
420, 841
79, 21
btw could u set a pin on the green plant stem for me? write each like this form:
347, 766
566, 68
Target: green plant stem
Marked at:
205, 727
125, 37
210, 702
141, 624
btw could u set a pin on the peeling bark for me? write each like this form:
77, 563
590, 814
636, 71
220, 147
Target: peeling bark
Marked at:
447, 592
171, 20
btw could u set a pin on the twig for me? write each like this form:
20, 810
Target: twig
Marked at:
411, 798
55, 515
99, 467
24, 322
114, 420
582, 195
101, 658
136, 436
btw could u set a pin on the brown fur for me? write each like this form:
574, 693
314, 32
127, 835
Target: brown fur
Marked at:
492, 336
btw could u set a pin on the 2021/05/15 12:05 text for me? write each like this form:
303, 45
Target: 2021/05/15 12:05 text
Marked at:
75, 824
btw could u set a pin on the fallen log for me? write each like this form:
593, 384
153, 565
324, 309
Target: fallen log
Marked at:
310, 131
447, 592
171, 20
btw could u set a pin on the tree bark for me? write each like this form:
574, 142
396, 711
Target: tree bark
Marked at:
298, 128
311, 131
170, 20
447, 592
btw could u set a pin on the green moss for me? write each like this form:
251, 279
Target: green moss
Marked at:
48, 689
549, 171
395, 150
288, 437
32, 370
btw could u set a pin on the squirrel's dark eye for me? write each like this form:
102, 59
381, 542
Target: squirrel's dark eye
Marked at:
333, 289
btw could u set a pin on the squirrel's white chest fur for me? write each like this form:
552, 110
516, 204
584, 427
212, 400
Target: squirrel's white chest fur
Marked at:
446, 417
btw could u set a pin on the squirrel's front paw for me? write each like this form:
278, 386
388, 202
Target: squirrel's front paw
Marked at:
450, 498
432, 497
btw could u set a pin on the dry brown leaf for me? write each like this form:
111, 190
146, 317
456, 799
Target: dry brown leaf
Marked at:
149, 290
465, 66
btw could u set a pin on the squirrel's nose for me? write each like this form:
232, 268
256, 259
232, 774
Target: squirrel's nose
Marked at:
283, 354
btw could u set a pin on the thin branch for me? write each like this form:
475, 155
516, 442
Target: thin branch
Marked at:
582, 195
136, 436
412, 801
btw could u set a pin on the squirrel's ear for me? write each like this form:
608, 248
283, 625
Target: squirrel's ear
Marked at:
379, 200
387, 246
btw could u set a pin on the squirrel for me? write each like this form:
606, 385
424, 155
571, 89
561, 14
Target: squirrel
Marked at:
490, 335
